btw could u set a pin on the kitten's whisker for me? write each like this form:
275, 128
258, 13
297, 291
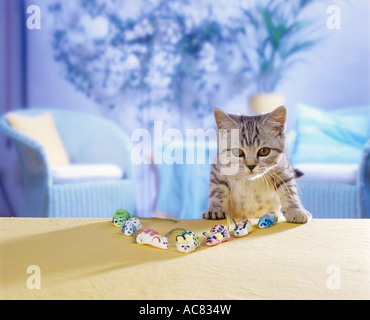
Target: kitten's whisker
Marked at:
286, 188
298, 190
276, 176
266, 180
269, 179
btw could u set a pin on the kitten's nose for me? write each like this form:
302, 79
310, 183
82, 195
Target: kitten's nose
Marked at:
251, 167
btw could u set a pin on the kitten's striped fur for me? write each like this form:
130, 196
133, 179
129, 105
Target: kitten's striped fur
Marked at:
260, 184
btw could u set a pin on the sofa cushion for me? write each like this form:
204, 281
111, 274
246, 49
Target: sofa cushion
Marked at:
42, 128
330, 136
329, 172
85, 172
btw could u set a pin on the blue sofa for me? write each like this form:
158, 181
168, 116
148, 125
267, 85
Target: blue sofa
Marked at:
87, 139
339, 138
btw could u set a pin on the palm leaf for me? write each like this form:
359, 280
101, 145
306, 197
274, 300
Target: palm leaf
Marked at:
297, 47
273, 32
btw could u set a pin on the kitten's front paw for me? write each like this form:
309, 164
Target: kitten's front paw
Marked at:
215, 213
297, 215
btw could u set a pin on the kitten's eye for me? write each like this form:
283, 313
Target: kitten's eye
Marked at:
264, 152
238, 152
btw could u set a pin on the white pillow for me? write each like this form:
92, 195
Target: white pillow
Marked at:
42, 128
328, 172
85, 172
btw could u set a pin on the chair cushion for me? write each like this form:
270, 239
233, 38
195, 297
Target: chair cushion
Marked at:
42, 128
88, 172
330, 136
328, 172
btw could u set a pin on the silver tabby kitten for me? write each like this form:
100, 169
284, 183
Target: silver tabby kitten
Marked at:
263, 180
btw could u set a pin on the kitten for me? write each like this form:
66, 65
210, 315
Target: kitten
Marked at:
258, 177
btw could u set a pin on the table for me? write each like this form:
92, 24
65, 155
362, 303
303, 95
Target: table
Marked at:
92, 259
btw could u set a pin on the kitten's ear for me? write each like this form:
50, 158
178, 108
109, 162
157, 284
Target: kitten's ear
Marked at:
223, 120
276, 119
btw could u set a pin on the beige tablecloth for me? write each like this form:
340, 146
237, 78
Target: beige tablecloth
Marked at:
92, 259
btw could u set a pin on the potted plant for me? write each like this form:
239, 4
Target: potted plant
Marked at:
271, 42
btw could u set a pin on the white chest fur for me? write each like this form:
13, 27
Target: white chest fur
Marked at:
252, 198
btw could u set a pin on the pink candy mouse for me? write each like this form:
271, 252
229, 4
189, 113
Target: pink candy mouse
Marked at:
216, 235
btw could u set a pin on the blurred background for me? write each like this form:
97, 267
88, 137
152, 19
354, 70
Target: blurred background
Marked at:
136, 62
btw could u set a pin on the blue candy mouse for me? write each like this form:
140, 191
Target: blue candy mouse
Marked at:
268, 220
131, 226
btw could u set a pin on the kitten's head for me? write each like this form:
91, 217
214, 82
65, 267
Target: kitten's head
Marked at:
259, 140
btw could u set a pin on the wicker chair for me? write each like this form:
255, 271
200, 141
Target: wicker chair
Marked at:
88, 140
340, 200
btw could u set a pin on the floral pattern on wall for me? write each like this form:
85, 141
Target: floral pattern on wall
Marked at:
174, 56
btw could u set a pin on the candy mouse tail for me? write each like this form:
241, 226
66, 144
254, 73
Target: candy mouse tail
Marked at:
135, 236
155, 218
169, 232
